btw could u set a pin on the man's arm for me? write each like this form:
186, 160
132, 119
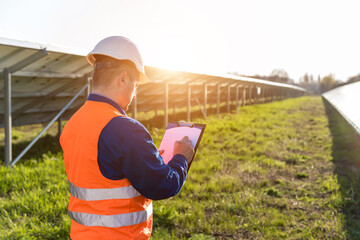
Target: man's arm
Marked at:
126, 150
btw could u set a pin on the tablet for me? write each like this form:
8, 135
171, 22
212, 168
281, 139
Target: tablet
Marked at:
176, 131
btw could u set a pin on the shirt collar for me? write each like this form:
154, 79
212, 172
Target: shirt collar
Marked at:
101, 98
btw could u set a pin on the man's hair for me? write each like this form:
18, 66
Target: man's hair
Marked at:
107, 68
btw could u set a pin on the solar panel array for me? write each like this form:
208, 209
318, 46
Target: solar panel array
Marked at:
37, 81
42, 88
344, 99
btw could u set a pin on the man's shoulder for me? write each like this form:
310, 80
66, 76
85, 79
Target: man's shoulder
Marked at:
125, 124
124, 130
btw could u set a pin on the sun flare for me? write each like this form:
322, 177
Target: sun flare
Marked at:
176, 53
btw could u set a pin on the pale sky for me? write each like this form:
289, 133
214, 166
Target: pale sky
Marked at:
250, 37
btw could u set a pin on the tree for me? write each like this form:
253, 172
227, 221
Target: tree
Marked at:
354, 79
327, 83
311, 86
311, 78
305, 79
280, 75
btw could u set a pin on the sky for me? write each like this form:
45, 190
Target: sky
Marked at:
245, 36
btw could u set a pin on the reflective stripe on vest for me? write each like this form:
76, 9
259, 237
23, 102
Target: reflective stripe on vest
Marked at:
95, 194
118, 220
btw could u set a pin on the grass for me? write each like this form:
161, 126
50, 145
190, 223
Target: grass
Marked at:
282, 170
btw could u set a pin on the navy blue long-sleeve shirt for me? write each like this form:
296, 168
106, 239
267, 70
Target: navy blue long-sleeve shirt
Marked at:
126, 150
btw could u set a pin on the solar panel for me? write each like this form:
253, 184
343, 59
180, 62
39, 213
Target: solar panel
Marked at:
345, 100
44, 79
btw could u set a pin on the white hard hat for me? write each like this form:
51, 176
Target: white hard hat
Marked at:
120, 48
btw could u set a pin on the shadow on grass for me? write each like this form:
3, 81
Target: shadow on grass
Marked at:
45, 144
346, 157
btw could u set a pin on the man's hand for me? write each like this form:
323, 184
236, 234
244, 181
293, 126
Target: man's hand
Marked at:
184, 148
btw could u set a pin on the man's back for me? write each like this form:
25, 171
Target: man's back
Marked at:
100, 208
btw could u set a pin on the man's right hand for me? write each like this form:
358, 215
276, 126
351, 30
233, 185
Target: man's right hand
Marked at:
184, 148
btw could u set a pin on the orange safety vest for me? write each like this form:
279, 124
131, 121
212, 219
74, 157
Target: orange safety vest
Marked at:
99, 208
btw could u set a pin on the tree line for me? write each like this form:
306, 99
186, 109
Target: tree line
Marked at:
313, 86
324, 84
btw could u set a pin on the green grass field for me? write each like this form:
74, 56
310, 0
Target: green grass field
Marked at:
282, 170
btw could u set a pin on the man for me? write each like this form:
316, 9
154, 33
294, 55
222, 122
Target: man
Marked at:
112, 164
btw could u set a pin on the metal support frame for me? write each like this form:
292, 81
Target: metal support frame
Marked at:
166, 103
53, 62
201, 108
80, 68
29, 60
46, 74
205, 100
250, 95
90, 86
59, 126
270, 93
12, 54
228, 98
264, 95
43, 99
237, 101
7, 99
218, 100
7, 117
188, 103
49, 125
243, 97
256, 95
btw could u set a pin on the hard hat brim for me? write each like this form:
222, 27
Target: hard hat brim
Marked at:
142, 78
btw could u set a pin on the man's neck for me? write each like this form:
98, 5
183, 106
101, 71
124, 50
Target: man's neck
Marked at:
105, 94
113, 95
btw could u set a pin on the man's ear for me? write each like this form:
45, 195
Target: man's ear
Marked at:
122, 77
